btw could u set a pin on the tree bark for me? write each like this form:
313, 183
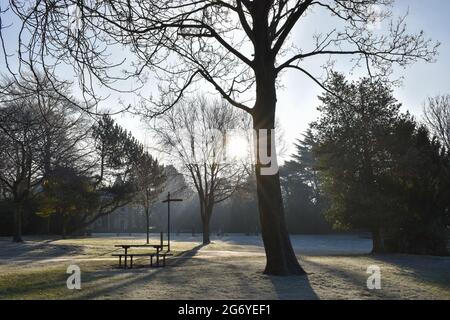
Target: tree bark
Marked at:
280, 256
205, 229
378, 241
64, 226
206, 217
64, 232
48, 224
281, 259
148, 224
17, 236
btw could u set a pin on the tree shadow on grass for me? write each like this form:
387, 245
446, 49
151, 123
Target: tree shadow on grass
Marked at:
35, 286
430, 269
293, 287
199, 278
350, 280
35, 251
343, 279
256, 285
139, 275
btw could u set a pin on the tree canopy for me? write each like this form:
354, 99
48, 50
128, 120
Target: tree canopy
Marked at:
380, 170
222, 43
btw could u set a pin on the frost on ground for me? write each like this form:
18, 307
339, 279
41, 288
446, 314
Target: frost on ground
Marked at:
229, 268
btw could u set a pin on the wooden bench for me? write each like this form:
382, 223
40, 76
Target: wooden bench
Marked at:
131, 256
163, 255
151, 255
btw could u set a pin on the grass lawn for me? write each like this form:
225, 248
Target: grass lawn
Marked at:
230, 268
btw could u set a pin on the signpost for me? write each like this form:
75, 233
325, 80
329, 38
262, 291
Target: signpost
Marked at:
169, 200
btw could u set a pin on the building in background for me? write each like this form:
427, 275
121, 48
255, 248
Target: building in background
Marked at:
128, 219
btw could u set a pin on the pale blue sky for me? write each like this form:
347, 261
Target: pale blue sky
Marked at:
297, 101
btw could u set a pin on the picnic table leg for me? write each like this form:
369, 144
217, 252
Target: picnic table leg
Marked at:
151, 261
126, 252
157, 257
131, 262
120, 261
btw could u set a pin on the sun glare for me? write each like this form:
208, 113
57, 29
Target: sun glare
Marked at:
238, 147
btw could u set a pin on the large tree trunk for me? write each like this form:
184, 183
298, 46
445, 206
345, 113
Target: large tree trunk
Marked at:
281, 259
64, 231
206, 217
378, 241
48, 220
64, 226
205, 229
17, 236
147, 224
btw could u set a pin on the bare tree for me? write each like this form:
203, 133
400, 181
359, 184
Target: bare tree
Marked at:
149, 181
20, 171
239, 47
194, 135
437, 118
37, 132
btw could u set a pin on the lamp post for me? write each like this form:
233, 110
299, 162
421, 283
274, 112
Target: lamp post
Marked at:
147, 211
169, 200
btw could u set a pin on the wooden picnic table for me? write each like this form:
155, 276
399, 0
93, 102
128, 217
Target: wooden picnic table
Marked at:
158, 248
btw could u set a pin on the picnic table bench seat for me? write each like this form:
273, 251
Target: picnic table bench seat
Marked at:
132, 255
151, 255
163, 255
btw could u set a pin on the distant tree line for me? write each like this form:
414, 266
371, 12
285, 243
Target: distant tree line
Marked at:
61, 170
363, 165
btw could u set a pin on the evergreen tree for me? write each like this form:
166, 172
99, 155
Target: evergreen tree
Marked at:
380, 171
300, 183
